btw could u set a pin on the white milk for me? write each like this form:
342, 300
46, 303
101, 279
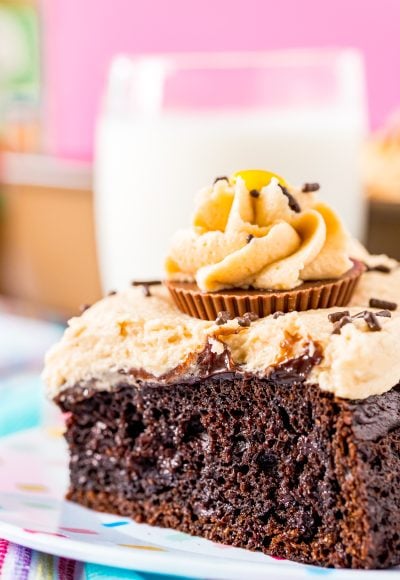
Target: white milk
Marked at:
147, 173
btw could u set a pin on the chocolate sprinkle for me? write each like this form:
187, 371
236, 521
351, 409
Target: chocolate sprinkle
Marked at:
379, 268
384, 304
369, 317
309, 187
112, 293
277, 314
252, 316
337, 327
84, 307
336, 316
221, 178
385, 313
372, 321
146, 290
223, 317
294, 206
360, 314
249, 238
145, 282
254, 193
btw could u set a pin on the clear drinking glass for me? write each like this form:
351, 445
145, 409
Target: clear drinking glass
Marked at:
170, 124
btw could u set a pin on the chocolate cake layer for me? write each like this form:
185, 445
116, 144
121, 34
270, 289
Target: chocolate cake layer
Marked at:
274, 464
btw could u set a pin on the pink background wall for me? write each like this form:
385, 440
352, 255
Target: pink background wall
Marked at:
83, 35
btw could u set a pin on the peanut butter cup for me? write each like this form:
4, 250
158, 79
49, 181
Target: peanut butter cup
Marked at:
310, 295
259, 245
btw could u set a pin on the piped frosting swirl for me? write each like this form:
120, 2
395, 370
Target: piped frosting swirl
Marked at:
272, 238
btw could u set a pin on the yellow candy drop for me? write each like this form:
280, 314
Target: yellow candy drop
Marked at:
257, 178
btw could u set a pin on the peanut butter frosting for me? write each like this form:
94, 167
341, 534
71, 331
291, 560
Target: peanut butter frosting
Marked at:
271, 238
130, 332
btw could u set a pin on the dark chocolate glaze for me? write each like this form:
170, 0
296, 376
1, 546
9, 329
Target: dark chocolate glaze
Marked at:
210, 363
203, 365
207, 365
296, 370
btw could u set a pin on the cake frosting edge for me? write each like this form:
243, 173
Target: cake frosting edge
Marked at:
131, 334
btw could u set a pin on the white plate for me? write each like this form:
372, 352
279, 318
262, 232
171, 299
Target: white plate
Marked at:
33, 513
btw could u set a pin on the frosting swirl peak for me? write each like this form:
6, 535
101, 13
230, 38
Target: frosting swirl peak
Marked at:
272, 238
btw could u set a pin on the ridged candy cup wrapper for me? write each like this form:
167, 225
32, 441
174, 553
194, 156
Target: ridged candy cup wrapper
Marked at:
310, 295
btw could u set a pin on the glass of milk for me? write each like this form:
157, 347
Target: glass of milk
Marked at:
170, 124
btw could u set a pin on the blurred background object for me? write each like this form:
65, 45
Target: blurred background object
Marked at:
19, 75
381, 181
47, 239
54, 61
79, 50
381, 167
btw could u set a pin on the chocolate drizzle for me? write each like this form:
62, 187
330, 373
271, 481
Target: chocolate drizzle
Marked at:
296, 370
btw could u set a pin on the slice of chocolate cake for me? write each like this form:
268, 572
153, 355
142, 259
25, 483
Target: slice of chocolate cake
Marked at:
272, 459
276, 433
